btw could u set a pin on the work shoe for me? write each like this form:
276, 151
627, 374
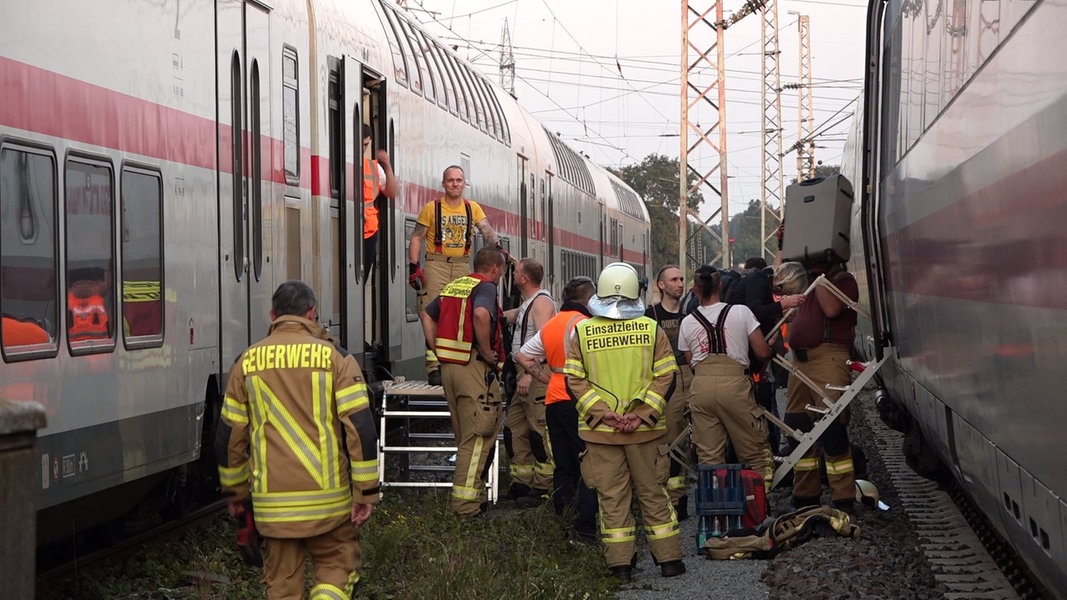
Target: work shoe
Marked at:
624, 573
672, 568
433, 377
518, 490
846, 506
534, 499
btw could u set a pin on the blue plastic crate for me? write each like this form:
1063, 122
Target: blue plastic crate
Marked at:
719, 491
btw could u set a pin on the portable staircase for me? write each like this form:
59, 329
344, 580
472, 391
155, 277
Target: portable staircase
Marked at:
423, 456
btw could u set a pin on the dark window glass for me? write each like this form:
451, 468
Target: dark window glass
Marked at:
291, 116
142, 257
89, 219
255, 197
237, 149
28, 269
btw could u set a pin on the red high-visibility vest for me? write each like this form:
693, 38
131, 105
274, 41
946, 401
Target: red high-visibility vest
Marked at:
88, 316
455, 324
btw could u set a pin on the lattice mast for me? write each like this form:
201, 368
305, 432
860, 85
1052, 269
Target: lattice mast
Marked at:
805, 141
507, 61
771, 203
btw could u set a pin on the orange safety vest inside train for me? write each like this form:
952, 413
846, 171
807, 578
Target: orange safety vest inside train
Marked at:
370, 193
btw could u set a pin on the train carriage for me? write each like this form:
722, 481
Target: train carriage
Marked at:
164, 166
959, 156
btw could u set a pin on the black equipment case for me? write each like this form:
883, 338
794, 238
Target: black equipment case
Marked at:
817, 214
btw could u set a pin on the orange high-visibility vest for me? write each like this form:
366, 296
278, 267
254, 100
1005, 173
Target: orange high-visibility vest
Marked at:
370, 193
553, 338
455, 324
88, 318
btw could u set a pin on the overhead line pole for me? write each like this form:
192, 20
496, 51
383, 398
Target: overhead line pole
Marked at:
771, 198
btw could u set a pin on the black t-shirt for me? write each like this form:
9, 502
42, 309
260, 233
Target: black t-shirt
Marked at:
670, 323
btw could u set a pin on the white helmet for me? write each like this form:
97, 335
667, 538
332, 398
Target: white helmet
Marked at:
867, 493
618, 279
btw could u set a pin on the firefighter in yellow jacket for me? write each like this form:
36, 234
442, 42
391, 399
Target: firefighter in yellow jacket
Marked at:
621, 369
462, 326
297, 435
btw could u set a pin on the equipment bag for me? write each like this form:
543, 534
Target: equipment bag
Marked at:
755, 499
786, 531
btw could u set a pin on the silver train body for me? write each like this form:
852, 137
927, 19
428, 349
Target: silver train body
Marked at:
959, 160
165, 165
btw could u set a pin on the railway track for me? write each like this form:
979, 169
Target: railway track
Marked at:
164, 531
965, 553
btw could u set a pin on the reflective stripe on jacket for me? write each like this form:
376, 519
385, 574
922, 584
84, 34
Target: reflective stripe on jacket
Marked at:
455, 324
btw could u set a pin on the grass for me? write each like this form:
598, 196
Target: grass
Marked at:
413, 547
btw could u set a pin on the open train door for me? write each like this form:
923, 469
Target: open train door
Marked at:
244, 188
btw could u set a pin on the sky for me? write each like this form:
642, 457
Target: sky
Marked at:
605, 75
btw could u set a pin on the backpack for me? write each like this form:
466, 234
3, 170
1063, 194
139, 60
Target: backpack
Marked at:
728, 278
786, 531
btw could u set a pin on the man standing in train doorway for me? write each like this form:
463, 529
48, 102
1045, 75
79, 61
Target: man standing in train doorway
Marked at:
296, 407
621, 369
462, 326
525, 435
447, 226
668, 314
378, 181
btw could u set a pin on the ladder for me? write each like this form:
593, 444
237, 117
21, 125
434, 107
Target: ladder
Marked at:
405, 403
829, 409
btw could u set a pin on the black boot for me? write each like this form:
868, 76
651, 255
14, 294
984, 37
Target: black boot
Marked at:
682, 508
624, 573
802, 501
672, 568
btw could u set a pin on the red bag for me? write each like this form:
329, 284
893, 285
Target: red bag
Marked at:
755, 499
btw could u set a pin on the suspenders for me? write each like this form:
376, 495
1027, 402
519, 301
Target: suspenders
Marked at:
438, 242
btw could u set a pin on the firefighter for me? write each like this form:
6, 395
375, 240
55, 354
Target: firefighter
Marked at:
547, 348
716, 339
621, 369
529, 452
297, 435
462, 327
668, 314
820, 338
378, 179
447, 227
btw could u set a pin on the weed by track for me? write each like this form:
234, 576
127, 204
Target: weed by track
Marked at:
413, 547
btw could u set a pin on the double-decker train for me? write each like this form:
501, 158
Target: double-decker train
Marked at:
959, 157
165, 164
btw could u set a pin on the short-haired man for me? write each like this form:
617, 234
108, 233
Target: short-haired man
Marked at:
446, 226
548, 348
462, 325
529, 451
668, 313
323, 463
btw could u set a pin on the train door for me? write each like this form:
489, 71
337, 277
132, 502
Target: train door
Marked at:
550, 225
524, 208
244, 167
379, 260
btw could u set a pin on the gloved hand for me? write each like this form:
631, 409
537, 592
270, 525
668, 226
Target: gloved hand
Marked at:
507, 255
415, 277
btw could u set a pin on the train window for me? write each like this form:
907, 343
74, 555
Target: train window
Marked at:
490, 114
416, 70
474, 97
28, 269
411, 299
447, 95
462, 93
290, 116
422, 82
255, 196
90, 243
446, 77
400, 67
432, 68
141, 200
505, 135
237, 151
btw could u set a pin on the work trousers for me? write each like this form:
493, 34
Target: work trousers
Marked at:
473, 396
335, 558
567, 448
439, 271
529, 450
616, 472
723, 405
825, 363
678, 427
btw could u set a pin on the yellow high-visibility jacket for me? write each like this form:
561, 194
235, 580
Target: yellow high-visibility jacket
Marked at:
297, 432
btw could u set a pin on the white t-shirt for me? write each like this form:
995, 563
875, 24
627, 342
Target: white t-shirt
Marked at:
740, 322
534, 347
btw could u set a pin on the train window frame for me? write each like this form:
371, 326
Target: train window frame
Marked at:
237, 193
91, 346
411, 298
49, 349
433, 69
462, 94
478, 120
291, 114
255, 186
400, 64
150, 340
446, 100
427, 91
492, 118
410, 55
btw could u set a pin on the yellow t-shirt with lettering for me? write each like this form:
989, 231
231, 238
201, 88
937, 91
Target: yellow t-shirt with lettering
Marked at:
453, 226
